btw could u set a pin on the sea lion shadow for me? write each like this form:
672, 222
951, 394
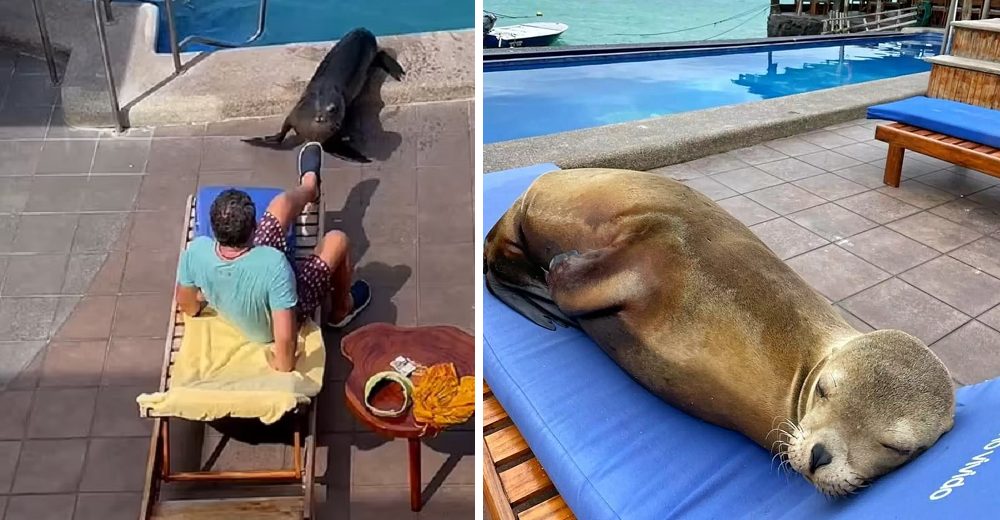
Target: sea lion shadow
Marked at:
363, 125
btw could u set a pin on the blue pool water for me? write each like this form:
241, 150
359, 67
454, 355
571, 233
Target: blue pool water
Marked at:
290, 21
569, 93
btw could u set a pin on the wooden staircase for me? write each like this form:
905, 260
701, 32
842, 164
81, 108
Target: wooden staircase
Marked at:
971, 73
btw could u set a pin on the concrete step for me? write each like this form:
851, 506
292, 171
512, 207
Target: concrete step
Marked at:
992, 25
958, 62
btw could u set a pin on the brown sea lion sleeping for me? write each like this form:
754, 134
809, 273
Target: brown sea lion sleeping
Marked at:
696, 308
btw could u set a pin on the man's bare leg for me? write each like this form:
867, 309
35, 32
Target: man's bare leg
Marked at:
334, 250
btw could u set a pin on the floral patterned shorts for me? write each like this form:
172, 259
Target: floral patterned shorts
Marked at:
313, 278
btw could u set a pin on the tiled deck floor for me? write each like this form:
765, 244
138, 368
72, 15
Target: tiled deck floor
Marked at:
89, 228
923, 258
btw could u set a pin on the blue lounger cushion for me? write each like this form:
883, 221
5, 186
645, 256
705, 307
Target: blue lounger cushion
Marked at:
261, 197
616, 451
968, 122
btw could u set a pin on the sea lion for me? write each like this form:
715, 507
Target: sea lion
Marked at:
698, 310
320, 112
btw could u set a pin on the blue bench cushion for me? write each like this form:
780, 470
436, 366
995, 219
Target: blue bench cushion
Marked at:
968, 122
261, 197
615, 451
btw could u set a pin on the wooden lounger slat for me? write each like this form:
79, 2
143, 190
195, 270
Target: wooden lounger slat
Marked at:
961, 152
255, 508
524, 481
554, 508
923, 132
492, 412
506, 444
486, 390
951, 140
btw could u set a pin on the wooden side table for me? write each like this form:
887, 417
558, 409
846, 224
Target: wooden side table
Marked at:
371, 348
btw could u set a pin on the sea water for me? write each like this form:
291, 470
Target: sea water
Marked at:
638, 21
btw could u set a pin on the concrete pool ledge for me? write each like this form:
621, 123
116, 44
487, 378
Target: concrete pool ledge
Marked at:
662, 141
227, 84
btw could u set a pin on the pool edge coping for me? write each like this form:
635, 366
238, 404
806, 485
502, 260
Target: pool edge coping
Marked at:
653, 143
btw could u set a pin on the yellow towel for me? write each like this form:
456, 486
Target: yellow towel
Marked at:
219, 373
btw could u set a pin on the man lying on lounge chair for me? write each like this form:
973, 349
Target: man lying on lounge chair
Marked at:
246, 274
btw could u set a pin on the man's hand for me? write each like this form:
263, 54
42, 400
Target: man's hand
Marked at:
190, 300
285, 339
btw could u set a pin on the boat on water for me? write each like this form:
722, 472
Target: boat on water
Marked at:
535, 34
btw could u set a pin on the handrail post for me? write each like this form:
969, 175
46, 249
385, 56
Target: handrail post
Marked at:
43, 32
112, 92
172, 28
108, 16
948, 29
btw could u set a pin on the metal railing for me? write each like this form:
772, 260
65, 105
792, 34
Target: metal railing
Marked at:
176, 47
43, 32
949, 29
841, 22
102, 36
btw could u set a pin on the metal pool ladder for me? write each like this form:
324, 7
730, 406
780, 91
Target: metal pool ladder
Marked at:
175, 47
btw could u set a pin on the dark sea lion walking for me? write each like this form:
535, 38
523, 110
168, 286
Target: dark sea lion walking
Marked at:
320, 112
698, 310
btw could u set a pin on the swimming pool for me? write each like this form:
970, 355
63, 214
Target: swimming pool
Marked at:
291, 21
541, 96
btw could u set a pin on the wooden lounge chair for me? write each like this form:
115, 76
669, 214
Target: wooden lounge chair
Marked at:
515, 485
902, 137
308, 228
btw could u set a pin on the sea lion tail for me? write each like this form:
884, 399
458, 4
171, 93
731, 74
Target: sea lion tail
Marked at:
389, 64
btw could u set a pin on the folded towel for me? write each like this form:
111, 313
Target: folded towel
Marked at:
218, 373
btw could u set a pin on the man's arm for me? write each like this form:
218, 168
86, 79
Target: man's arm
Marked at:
285, 339
189, 299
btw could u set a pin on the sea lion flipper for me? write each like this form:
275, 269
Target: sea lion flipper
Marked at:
520, 303
337, 146
389, 64
271, 140
592, 282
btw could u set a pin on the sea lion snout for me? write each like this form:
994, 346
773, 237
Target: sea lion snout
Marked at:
819, 457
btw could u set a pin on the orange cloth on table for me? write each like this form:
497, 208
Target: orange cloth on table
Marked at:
440, 399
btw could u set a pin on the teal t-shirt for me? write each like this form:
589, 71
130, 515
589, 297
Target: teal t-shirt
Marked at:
243, 291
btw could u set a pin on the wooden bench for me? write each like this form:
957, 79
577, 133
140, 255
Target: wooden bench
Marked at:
515, 485
902, 137
308, 229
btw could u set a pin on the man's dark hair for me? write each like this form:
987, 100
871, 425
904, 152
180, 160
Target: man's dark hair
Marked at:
233, 218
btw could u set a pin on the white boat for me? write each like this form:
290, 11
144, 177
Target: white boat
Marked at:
536, 34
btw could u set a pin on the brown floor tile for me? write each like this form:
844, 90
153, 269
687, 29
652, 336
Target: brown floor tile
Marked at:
117, 464
111, 192
785, 199
912, 168
239, 456
826, 139
19, 157
80, 271
115, 155
446, 223
793, 146
9, 451
982, 254
446, 149
107, 506
101, 232
894, 304
957, 184
378, 502
26, 319
66, 156
917, 194
76, 364
14, 193
142, 315
151, 230
970, 214
451, 502
62, 413
41, 507
864, 174
31, 91
8, 232
971, 353
333, 415
856, 132
678, 172
746, 211
149, 271
63, 310
853, 320
108, 279
386, 227
790, 169
50, 466
90, 319
934, 231
24, 122
192, 130
830, 186
56, 193
989, 198
134, 361
861, 151
165, 192
180, 157
44, 233
711, 188
446, 264
27, 378
226, 154
34, 275
757, 154
965, 288
829, 160
58, 129
117, 414
397, 189
786, 238
390, 306
831, 221
449, 305
15, 405
436, 183
878, 207
746, 179
835, 273
378, 462
717, 164
888, 250
991, 318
